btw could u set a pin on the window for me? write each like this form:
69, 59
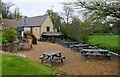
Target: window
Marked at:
48, 29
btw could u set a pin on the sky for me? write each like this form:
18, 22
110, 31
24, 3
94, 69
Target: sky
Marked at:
32, 8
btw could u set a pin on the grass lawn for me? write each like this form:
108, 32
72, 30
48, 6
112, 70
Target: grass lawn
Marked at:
0, 38
0, 65
16, 65
109, 42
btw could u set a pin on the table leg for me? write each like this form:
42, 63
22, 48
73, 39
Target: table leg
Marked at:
71, 48
62, 60
48, 57
22, 46
30, 45
52, 56
43, 58
60, 54
42, 61
83, 55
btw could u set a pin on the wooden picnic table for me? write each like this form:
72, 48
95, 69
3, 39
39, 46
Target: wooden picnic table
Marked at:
95, 52
91, 47
67, 44
52, 56
25, 42
78, 46
74, 42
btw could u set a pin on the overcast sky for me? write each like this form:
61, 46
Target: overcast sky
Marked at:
37, 7
32, 8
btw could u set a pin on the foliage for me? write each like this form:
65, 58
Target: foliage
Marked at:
78, 31
116, 27
67, 13
7, 13
17, 13
101, 12
0, 14
109, 42
9, 34
72, 26
16, 65
55, 19
102, 9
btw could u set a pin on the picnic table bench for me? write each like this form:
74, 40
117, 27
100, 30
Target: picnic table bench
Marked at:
78, 46
52, 56
66, 44
59, 58
98, 53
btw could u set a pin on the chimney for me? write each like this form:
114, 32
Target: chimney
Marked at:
25, 20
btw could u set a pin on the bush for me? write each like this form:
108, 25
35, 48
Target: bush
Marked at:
9, 34
78, 31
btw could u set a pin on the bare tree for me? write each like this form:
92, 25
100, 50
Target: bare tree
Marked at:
67, 13
6, 9
0, 14
17, 14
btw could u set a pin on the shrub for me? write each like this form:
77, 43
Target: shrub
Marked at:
9, 34
78, 31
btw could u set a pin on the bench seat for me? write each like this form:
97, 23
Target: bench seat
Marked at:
59, 58
97, 55
41, 57
62, 57
54, 60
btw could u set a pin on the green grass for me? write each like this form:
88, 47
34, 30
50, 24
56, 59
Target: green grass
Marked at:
109, 42
16, 65
0, 65
0, 38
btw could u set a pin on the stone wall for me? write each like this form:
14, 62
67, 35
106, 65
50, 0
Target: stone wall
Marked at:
11, 47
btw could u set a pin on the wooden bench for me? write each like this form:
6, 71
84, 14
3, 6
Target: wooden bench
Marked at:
42, 58
97, 55
59, 58
106, 55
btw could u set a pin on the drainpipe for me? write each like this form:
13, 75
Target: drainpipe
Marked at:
31, 30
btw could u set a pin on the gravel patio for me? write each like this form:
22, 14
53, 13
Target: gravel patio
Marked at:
73, 63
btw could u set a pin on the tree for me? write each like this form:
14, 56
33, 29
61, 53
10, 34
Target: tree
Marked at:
17, 14
55, 19
101, 12
67, 14
77, 30
6, 9
101, 8
72, 26
0, 14
7, 13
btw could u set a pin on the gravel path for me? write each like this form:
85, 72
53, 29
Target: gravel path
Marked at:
73, 62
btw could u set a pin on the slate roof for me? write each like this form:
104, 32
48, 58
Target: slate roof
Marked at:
8, 22
31, 21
